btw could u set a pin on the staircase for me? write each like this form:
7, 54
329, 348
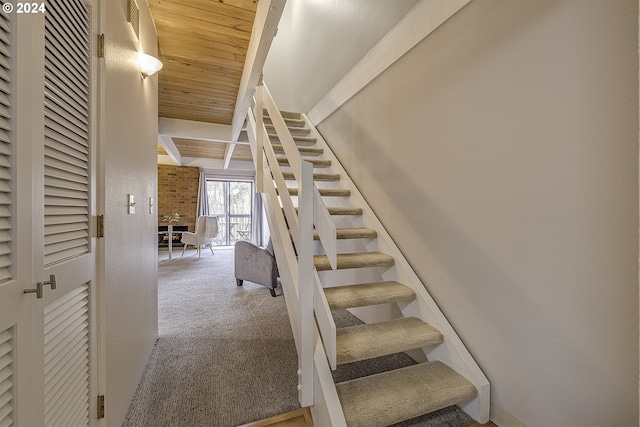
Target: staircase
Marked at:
368, 275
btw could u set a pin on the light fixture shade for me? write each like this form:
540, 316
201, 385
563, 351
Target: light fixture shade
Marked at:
148, 64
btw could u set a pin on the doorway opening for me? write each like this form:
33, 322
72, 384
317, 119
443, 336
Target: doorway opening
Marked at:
232, 203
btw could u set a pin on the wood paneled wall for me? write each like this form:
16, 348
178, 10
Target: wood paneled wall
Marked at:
178, 192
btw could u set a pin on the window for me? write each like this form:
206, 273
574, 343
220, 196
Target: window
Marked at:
232, 202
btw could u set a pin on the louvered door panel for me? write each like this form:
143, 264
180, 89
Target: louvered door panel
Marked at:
6, 146
67, 130
7, 389
66, 346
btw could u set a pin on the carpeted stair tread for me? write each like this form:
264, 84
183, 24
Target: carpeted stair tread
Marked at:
284, 113
287, 115
351, 233
310, 151
355, 260
295, 131
329, 192
294, 123
316, 176
299, 140
290, 114
345, 211
317, 163
370, 340
364, 294
394, 396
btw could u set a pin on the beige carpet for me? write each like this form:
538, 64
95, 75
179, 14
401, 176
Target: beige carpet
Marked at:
225, 354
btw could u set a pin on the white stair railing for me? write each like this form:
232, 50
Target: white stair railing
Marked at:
294, 236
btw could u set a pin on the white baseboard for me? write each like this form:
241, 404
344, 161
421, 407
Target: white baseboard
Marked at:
502, 418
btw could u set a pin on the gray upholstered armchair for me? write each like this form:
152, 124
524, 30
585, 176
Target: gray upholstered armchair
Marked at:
256, 264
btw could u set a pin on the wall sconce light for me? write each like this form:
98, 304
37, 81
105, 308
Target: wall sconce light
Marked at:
148, 64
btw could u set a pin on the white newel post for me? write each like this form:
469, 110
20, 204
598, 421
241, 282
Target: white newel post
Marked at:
305, 285
300, 229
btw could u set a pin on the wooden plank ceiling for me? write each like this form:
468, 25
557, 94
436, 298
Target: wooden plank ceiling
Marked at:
203, 45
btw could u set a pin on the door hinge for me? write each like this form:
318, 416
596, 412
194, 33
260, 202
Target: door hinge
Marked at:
100, 226
100, 406
100, 45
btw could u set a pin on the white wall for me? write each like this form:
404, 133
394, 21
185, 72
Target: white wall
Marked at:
128, 160
318, 41
502, 155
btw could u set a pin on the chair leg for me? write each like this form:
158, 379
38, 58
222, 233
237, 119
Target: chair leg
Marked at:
211, 247
184, 248
239, 282
199, 251
272, 291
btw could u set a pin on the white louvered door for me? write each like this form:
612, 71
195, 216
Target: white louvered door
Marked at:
68, 316
16, 307
47, 117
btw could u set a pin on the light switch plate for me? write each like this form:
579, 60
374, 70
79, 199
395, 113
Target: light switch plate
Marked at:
132, 204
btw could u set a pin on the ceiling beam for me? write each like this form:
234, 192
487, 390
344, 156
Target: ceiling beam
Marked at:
264, 30
228, 154
189, 129
170, 148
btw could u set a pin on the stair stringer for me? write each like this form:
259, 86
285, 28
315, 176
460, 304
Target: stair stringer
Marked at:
326, 410
452, 352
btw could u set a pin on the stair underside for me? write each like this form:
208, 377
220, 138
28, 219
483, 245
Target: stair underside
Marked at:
316, 176
364, 294
354, 260
351, 233
371, 340
390, 397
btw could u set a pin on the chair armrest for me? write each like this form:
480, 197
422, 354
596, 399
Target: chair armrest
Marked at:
254, 264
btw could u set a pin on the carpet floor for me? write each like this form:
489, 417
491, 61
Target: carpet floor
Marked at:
225, 355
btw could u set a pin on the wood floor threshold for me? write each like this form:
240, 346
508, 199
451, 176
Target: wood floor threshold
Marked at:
302, 418
298, 418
